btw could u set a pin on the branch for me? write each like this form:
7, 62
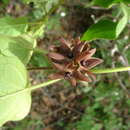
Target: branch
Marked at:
110, 70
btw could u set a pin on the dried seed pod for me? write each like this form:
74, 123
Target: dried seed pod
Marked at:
73, 59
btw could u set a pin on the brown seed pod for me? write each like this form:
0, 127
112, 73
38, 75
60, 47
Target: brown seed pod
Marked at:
73, 61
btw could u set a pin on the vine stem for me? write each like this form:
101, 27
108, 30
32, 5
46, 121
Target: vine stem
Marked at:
110, 70
29, 89
96, 71
50, 82
43, 84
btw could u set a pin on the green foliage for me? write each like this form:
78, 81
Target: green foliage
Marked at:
103, 29
13, 26
12, 71
43, 6
17, 43
5, 1
14, 51
103, 108
13, 78
108, 3
39, 60
124, 20
104, 3
126, 1
107, 29
21, 46
28, 123
37, 31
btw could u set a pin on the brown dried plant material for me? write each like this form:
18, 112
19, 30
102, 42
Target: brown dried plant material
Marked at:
73, 60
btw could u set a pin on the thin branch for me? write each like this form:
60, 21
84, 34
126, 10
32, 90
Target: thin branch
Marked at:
110, 70
96, 71
44, 84
29, 89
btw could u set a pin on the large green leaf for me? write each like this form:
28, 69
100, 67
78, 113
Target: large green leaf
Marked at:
13, 78
107, 29
13, 26
21, 46
102, 29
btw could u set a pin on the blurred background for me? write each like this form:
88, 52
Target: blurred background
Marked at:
100, 105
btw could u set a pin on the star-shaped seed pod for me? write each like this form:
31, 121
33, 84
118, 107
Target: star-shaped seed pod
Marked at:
68, 73
66, 52
73, 60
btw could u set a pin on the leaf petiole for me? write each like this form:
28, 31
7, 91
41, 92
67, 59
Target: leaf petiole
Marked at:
110, 70
29, 89
44, 84
50, 82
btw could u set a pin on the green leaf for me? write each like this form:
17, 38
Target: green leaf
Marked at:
105, 3
39, 60
123, 21
13, 26
13, 79
5, 1
110, 70
102, 29
37, 31
106, 29
126, 1
21, 46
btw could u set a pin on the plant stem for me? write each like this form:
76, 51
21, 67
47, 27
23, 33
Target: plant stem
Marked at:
111, 70
96, 71
43, 84
50, 82
29, 89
